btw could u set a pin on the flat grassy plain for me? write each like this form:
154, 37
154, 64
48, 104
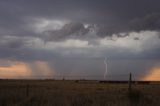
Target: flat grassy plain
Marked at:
76, 93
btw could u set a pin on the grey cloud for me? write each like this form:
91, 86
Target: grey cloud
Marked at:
149, 22
105, 17
12, 42
68, 30
111, 16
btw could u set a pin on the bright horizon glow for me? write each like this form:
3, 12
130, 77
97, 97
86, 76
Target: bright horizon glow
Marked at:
19, 69
153, 75
25, 70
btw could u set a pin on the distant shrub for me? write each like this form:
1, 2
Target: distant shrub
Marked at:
76, 81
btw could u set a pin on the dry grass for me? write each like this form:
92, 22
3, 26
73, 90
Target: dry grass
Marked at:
71, 93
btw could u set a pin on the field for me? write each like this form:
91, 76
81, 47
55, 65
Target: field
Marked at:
76, 93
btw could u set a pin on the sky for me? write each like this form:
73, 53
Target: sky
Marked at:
72, 38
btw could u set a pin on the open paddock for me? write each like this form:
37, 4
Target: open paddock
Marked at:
77, 93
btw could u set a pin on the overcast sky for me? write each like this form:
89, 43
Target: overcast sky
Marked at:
73, 37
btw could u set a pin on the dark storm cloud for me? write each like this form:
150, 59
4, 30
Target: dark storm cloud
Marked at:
68, 30
149, 22
111, 16
12, 42
105, 17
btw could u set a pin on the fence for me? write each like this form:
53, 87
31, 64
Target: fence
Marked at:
112, 77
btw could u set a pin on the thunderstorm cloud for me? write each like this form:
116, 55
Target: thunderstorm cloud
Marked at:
72, 38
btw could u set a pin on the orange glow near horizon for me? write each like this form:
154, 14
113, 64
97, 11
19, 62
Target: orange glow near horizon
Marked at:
153, 75
18, 69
